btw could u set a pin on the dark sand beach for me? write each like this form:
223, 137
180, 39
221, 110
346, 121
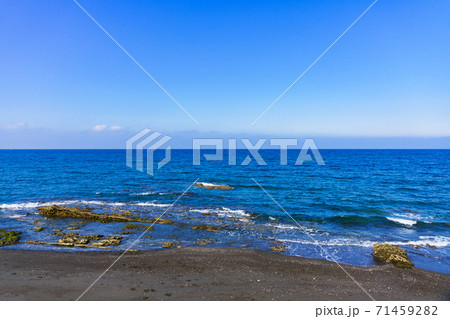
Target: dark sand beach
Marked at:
206, 274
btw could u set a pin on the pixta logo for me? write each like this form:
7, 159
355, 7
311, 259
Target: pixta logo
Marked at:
146, 141
213, 150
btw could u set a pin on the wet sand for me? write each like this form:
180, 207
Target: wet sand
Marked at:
206, 274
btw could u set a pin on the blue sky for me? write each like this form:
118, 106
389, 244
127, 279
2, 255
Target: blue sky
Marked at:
225, 62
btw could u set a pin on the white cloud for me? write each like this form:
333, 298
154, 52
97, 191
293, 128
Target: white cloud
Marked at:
12, 127
115, 128
100, 127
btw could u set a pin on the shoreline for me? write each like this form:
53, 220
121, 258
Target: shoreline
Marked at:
193, 273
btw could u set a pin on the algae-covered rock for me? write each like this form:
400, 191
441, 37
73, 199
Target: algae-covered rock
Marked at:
205, 242
36, 242
38, 228
74, 239
206, 227
213, 186
384, 253
169, 244
278, 249
211, 228
126, 233
161, 221
109, 241
73, 228
138, 227
9, 237
82, 241
55, 211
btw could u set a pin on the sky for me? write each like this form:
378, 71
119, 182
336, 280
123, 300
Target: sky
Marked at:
65, 84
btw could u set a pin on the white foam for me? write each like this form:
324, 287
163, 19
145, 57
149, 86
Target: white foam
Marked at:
407, 222
239, 212
16, 216
153, 204
438, 241
207, 184
29, 205
286, 227
205, 211
19, 206
144, 193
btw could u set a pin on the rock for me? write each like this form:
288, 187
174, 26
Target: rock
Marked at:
431, 246
169, 244
206, 227
384, 253
36, 242
74, 239
126, 233
278, 249
64, 244
9, 237
213, 186
161, 221
55, 211
210, 228
137, 227
73, 228
38, 228
108, 241
205, 242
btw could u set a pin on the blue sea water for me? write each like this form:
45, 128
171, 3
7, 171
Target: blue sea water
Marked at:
359, 198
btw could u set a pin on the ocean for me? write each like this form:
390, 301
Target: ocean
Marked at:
359, 198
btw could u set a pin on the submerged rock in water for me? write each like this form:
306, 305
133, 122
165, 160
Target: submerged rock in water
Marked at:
38, 228
205, 242
9, 237
391, 254
137, 227
206, 227
214, 186
278, 249
55, 211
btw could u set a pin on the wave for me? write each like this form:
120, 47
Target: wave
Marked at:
143, 193
224, 212
407, 222
438, 241
208, 184
29, 205
153, 204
